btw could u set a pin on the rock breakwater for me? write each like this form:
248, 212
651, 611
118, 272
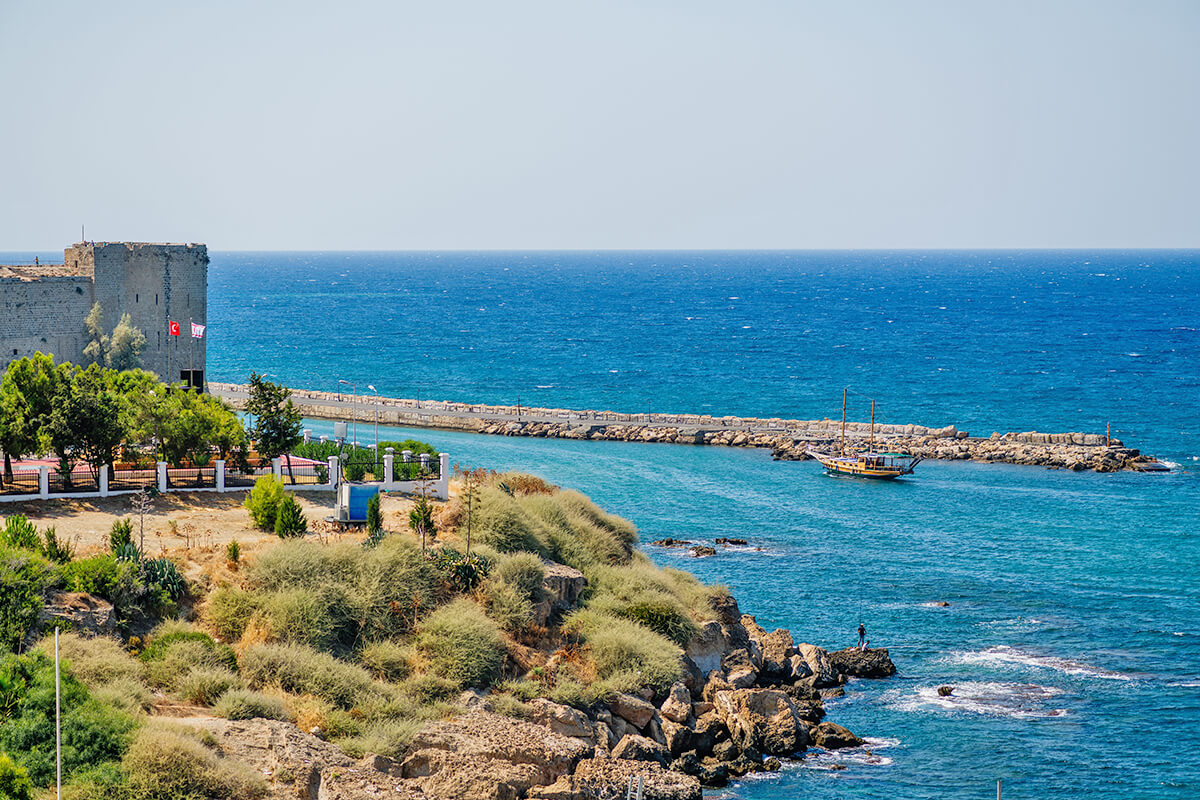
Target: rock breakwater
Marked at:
787, 439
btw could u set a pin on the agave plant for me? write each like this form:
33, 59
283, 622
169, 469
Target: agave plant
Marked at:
163, 573
128, 552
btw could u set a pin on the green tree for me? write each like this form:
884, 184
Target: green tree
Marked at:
125, 346
27, 394
93, 328
14, 780
289, 519
86, 420
277, 422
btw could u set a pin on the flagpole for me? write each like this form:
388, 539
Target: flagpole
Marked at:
191, 336
57, 719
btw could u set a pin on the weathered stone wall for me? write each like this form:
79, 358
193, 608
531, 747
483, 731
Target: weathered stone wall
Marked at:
43, 315
153, 283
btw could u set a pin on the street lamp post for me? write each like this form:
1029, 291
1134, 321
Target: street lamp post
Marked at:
353, 409
373, 389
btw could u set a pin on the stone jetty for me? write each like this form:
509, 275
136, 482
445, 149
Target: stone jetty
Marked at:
787, 439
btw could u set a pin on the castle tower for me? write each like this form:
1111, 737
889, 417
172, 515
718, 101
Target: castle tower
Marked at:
156, 284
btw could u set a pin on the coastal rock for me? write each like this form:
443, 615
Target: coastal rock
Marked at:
641, 748
716, 683
762, 719
798, 668
945, 691
634, 710
777, 649
608, 779
824, 673
677, 738
485, 756
870, 663
668, 542
678, 705
726, 541
832, 736
807, 702
707, 647
702, 550
740, 670
709, 731
561, 719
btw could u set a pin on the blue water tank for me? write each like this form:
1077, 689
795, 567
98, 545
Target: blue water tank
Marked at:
359, 497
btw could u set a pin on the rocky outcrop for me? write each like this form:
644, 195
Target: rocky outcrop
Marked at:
762, 719
641, 748
824, 673
485, 756
561, 588
82, 612
561, 719
831, 736
634, 710
609, 779
871, 663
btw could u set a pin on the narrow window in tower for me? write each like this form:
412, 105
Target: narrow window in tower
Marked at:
135, 297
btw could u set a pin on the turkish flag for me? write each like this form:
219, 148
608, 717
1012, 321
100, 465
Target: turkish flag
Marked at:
174, 328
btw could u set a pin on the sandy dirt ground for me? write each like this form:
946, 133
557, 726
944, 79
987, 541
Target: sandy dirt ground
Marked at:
186, 524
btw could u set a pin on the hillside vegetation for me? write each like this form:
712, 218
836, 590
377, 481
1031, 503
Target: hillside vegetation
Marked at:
358, 642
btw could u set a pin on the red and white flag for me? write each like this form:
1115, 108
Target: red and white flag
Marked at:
173, 328
198, 331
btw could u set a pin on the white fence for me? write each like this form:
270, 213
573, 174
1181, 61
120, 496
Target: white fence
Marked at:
438, 487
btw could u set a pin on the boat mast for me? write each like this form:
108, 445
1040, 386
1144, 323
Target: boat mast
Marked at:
844, 392
871, 446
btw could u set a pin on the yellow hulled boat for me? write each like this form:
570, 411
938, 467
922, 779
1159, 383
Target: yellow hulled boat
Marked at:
869, 464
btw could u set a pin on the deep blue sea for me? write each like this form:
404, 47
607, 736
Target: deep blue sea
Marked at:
1072, 634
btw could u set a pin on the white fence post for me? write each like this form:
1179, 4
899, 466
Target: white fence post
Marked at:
406, 456
219, 474
162, 477
277, 468
104, 480
442, 490
333, 472
389, 459
44, 481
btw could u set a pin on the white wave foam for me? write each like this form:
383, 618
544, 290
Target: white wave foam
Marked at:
1005, 655
1016, 700
1014, 625
1186, 684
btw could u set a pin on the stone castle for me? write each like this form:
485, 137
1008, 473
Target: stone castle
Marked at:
43, 306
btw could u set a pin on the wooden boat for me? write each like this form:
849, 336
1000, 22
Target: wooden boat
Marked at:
869, 464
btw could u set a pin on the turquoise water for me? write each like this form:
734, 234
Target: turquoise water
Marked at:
1073, 630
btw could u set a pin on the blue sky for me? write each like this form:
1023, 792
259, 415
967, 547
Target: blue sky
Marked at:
478, 125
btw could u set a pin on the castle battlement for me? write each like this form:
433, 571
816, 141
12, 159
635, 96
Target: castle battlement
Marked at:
42, 306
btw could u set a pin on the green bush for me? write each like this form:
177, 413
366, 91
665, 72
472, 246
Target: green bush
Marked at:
233, 552
462, 573
24, 578
96, 661
387, 737
319, 617
393, 585
161, 574
462, 644
627, 655
305, 563
165, 636
388, 660
91, 733
14, 780
508, 606
289, 519
246, 704
500, 522
167, 765
204, 685
180, 658
354, 471
20, 532
525, 573
55, 549
374, 514
263, 501
302, 670
120, 534
228, 611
